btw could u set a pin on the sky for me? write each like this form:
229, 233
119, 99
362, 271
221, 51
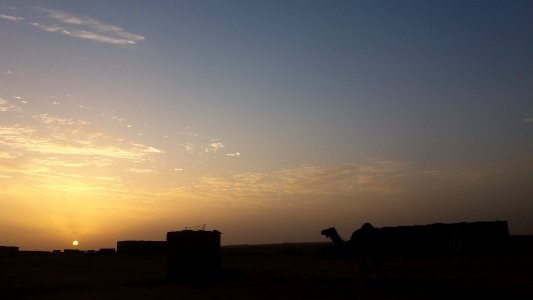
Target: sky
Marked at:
266, 120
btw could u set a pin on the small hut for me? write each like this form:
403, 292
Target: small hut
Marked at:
464, 237
9, 251
193, 255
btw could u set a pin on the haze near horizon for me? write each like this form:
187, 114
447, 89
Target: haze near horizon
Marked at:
268, 121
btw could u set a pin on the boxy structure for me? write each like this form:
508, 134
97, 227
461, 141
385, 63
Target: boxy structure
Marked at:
464, 237
8, 251
193, 255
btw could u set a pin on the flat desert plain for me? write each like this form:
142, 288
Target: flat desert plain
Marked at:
285, 271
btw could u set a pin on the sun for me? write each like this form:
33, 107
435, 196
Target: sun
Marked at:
75, 243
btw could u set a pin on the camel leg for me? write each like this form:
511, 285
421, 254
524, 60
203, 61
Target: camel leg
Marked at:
363, 267
378, 266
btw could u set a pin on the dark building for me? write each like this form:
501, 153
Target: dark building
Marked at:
72, 251
193, 255
106, 251
8, 251
464, 237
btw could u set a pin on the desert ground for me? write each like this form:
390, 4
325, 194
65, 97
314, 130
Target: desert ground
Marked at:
284, 271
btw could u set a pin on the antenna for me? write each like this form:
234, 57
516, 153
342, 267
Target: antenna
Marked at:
196, 227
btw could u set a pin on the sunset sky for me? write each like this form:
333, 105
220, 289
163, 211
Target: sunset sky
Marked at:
266, 120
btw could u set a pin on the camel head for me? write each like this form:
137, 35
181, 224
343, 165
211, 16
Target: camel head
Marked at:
329, 232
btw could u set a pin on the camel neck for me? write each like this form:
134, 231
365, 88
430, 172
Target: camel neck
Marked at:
336, 239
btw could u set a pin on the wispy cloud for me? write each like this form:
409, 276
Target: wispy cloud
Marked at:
6, 105
140, 171
530, 118
11, 18
53, 28
377, 176
31, 140
56, 21
205, 147
87, 28
51, 154
213, 147
6, 155
84, 34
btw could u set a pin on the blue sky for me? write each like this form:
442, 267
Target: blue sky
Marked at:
163, 114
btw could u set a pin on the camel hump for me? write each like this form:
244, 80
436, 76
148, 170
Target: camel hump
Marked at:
367, 227
366, 230
367, 239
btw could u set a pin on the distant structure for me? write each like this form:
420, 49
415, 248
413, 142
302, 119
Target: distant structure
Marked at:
439, 238
106, 251
34, 253
8, 251
193, 255
141, 247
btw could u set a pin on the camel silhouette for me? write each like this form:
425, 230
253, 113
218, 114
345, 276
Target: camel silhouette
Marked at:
365, 244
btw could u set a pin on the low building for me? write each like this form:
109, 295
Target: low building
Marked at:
464, 237
106, 251
8, 251
193, 255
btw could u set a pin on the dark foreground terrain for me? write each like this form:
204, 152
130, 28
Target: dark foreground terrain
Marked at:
288, 271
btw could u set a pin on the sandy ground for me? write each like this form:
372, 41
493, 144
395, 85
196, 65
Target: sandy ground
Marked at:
290, 271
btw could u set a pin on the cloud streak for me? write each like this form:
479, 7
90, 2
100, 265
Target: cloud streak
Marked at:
53, 28
6, 105
87, 28
30, 140
59, 149
384, 177
11, 18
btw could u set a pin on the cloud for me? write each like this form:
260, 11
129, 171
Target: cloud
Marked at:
149, 149
190, 148
383, 177
371, 176
71, 137
83, 34
61, 121
236, 154
6, 105
140, 171
213, 147
11, 18
5, 155
528, 120
56, 154
53, 28
88, 28
31, 140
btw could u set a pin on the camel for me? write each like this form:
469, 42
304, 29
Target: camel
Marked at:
365, 244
